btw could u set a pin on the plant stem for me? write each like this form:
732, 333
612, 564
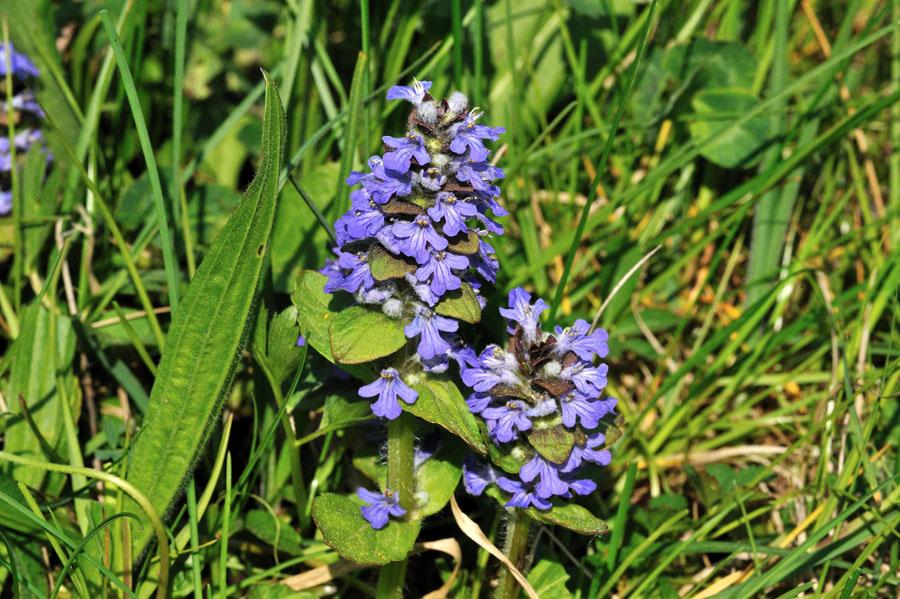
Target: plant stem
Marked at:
514, 547
399, 480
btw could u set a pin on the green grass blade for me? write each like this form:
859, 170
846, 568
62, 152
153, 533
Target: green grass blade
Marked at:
351, 131
207, 334
168, 247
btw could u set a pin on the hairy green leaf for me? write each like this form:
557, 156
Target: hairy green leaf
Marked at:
385, 265
440, 402
554, 443
206, 336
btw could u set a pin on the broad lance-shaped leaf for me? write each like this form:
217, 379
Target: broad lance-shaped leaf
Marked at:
206, 336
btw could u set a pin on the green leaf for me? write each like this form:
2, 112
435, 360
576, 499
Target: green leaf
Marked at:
723, 474
340, 412
740, 146
441, 403
507, 456
385, 265
361, 335
711, 64
549, 578
30, 568
461, 304
465, 245
32, 375
9, 518
439, 476
273, 531
283, 356
554, 443
316, 310
206, 336
347, 532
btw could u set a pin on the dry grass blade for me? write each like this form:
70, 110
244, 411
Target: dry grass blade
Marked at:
474, 532
621, 282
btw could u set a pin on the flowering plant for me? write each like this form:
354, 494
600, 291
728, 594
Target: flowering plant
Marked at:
412, 254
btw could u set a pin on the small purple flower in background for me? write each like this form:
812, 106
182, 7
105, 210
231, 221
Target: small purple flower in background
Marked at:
29, 111
301, 341
383, 505
20, 65
388, 388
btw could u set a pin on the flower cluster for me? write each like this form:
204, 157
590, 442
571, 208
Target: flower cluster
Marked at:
417, 231
23, 113
543, 394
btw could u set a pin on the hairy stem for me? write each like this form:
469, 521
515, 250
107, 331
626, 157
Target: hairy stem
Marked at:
399, 480
514, 547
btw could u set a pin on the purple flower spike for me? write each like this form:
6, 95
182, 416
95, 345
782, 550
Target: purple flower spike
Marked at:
510, 419
388, 388
453, 212
576, 339
477, 475
414, 93
419, 236
522, 312
429, 325
383, 505
550, 483
440, 265
405, 149
523, 495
